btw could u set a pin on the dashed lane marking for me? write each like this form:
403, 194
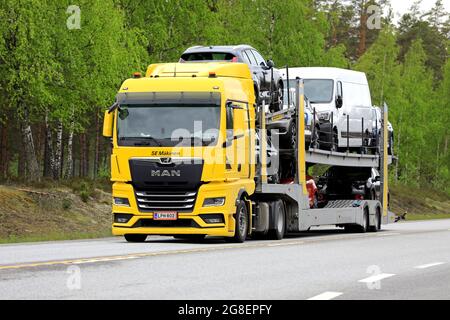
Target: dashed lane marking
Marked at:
326, 296
377, 277
429, 265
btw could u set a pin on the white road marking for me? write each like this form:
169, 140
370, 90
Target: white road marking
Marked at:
429, 265
388, 234
326, 296
285, 244
377, 277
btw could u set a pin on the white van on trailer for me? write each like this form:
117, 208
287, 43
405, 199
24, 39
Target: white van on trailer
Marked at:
343, 102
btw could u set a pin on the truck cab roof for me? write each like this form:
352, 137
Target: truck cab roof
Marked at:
194, 70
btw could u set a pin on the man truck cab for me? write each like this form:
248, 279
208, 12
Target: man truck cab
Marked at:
343, 103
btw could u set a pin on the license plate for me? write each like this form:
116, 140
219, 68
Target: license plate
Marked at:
166, 215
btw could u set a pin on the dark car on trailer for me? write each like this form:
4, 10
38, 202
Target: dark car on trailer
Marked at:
343, 183
267, 80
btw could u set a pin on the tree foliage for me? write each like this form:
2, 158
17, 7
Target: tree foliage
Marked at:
55, 81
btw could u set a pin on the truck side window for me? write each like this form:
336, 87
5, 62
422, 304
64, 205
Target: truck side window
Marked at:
230, 120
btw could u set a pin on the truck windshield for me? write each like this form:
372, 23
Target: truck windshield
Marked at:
316, 90
168, 125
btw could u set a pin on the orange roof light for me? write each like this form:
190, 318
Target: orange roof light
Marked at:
137, 75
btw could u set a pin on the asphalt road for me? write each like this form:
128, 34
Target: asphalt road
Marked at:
408, 260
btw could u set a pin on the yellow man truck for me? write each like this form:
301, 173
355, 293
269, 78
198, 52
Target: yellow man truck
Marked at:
186, 160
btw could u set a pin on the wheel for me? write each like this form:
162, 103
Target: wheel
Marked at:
290, 140
278, 103
192, 237
279, 222
365, 223
241, 224
377, 225
135, 237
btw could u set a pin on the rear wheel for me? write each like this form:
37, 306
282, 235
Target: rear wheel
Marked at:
279, 226
135, 237
365, 223
377, 225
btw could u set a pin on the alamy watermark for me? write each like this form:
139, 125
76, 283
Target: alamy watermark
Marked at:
74, 20
74, 280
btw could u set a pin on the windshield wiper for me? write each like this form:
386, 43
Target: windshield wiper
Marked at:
144, 140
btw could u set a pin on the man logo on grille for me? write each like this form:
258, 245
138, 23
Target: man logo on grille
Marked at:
165, 161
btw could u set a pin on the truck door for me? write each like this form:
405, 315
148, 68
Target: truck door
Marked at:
231, 165
242, 139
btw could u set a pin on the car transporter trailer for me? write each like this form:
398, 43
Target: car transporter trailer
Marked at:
354, 215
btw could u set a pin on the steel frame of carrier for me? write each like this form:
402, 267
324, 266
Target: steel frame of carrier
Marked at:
365, 215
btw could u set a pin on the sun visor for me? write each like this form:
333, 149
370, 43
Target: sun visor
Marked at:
125, 98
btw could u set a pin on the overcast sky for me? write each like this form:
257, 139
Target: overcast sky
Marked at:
402, 6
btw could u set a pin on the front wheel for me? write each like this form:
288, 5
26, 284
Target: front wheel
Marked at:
241, 224
135, 237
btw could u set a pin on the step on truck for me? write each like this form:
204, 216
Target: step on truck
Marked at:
185, 162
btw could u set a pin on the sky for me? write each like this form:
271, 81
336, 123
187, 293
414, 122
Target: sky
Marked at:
402, 6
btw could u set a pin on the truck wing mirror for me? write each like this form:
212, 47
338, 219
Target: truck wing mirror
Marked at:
270, 64
108, 124
339, 102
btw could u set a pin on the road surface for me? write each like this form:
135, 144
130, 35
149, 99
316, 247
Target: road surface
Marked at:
409, 260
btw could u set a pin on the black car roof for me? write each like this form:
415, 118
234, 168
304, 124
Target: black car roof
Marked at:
224, 49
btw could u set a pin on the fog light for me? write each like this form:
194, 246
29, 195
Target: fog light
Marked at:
121, 202
214, 202
212, 218
122, 217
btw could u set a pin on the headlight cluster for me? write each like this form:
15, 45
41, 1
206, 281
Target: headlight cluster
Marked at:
121, 202
324, 116
214, 202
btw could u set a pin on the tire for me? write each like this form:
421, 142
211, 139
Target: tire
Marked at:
377, 226
135, 237
290, 139
277, 104
279, 222
241, 224
366, 223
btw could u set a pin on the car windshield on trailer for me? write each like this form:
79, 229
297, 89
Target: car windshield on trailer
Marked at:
316, 90
208, 56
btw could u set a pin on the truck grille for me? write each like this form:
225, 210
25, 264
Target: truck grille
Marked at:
180, 201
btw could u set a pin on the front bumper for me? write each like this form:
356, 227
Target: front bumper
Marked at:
188, 222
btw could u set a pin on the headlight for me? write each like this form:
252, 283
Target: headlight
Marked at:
214, 202
121, 202
324, 116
